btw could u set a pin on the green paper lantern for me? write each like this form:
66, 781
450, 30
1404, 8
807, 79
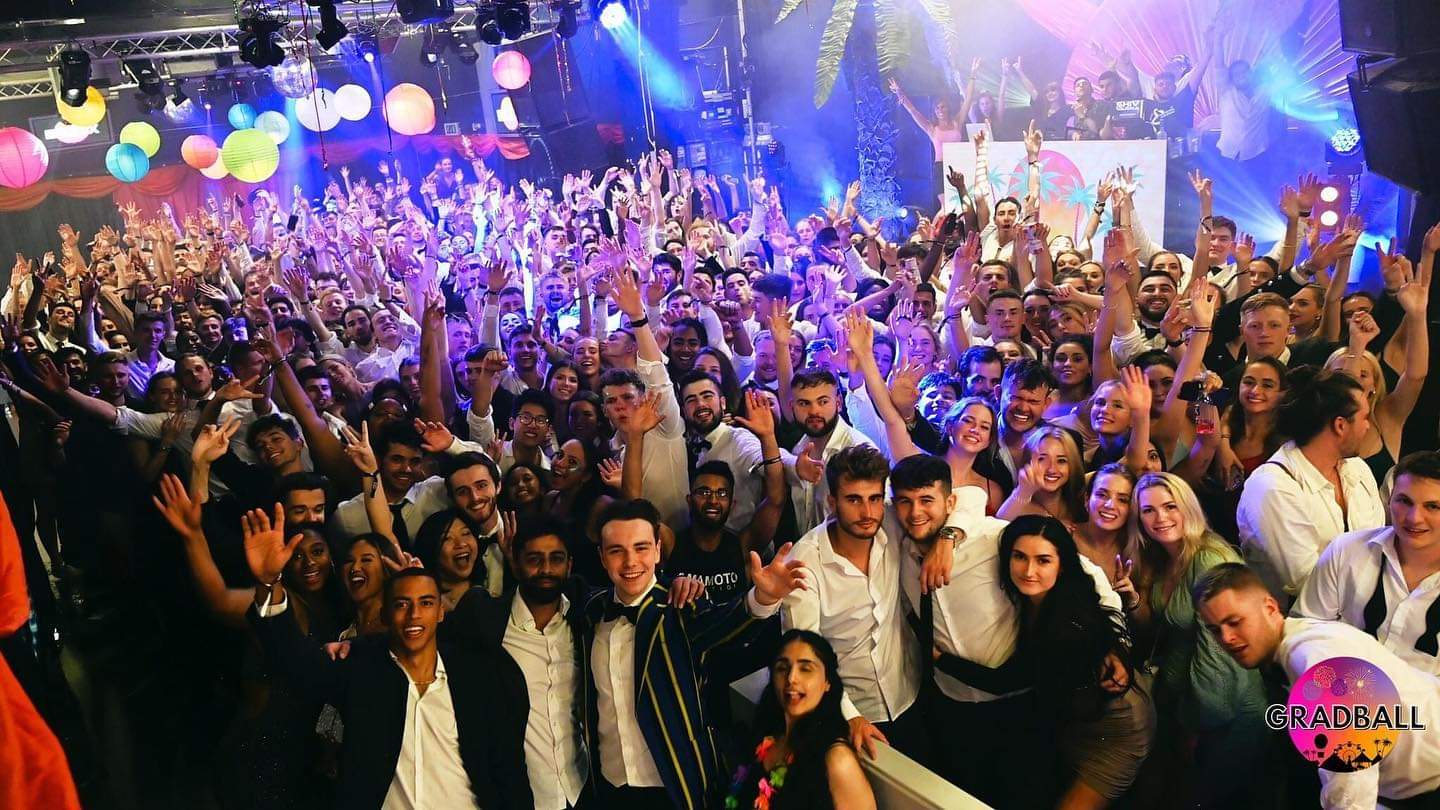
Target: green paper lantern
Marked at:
250, 155
142, 135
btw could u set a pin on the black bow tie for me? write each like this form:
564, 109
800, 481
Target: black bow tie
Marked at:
697, 445
614, 610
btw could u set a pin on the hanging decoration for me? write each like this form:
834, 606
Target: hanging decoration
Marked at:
127, 162
274, 124
217, 170
87, 114
511, 70
352, 101
250, 155
241, 116
293, 78
71, 134
409, 109
199, 152
23, 158
143, 135
317, 112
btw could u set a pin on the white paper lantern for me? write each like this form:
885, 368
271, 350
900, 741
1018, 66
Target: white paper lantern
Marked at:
352, 101
274, 124
72, 134
317, 112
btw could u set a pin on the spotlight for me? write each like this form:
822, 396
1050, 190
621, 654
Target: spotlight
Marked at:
260, 39
1345, 141
1329, 194
611, 13
429, 48
1329, 219
567, 18
74, 76
331, 29
144, 73
367, 42
424, 11
487, 28
513, 17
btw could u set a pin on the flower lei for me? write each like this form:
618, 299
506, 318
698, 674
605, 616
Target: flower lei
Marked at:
769, 783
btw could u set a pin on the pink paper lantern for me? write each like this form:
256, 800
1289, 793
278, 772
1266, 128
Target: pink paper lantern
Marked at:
511, 70
199, 151
409, 109
23, 158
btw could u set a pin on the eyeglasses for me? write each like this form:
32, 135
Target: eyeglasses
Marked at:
530, 420
706, 494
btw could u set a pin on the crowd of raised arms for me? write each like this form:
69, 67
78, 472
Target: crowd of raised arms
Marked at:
1036, 508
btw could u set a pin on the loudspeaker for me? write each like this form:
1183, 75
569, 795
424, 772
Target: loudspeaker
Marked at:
424, 11
1389, 27
1397, 108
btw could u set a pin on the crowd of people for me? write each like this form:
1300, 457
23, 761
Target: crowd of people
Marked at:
466, 495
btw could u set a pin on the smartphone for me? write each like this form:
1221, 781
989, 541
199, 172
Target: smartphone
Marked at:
239, 330
292, 222
239, 201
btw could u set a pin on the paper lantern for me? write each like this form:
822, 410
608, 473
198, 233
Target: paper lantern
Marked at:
409, 109
506, 114
241, 116
352, 102
216, 171
511, 70
317, 112
71, 134
127, 162
250, 155
199, 151
23, 158
274, 124
293, 78
142, 135
87, 114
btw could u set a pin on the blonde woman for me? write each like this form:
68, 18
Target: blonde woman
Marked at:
1051, 479
1200, 691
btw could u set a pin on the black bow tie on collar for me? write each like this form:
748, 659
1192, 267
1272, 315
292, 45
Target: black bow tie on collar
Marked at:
614, 610
697, 445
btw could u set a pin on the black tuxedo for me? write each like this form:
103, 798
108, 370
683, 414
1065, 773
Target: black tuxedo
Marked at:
371, 691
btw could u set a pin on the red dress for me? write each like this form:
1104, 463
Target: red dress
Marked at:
33, 770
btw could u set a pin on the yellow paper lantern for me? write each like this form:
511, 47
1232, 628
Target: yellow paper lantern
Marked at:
250, 155
87, 114
142, 135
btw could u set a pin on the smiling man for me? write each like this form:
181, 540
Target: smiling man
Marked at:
1024, 391
815, 402
709, 438
399, 451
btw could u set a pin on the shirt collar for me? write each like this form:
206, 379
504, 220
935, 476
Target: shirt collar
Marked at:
439, 668
521, 617
721, 429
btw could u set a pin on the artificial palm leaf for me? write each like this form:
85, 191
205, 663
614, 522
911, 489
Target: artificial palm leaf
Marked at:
939, 11
892, 35
832, 48
785, 10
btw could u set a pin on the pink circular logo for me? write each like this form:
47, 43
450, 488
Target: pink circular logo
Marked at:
1344, 715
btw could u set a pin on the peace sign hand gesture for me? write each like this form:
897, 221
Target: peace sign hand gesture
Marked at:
1124, 586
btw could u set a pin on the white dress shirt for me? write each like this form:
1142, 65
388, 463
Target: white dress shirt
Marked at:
624, 755
141, 372
667, 466
974, 619
1413, 765
740, 450
1344, 582
1288, 515
482, 432
862, 617
420, 502
811, 501
383, 363
1244, 124
554, 751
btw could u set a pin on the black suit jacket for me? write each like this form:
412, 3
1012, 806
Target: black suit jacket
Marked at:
371, 691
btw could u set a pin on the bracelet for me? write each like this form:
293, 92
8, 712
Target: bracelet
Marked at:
369, 475
639, 322
767, 462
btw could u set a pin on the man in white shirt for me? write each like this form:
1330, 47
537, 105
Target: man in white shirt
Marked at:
853, 599
1244, 113
815, 402
1313, 489
530, 420
399, 450
1387, 581
971, 617
1247, 621
709, 438
666, 468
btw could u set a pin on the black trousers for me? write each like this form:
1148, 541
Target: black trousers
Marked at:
625, 797
910, 734
996, 750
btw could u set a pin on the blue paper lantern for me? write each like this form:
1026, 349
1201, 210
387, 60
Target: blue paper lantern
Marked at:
127, 162
241, 116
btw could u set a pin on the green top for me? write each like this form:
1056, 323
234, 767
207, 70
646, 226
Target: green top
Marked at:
1211, 688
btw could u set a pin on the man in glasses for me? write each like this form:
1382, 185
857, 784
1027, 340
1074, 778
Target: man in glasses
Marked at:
529, 431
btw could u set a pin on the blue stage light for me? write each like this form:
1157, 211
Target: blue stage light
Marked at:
1345, 141
612, 14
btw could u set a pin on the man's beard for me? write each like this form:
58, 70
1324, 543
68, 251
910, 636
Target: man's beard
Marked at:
704, 428
1152, 315
825, 431
700, 520
532, 591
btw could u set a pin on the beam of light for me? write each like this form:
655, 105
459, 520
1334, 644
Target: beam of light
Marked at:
667, 86
614, 16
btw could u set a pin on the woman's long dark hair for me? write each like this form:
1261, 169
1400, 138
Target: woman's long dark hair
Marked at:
431, 536
1071, 632
1235, 417
806, 781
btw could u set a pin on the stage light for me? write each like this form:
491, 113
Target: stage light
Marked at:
513, 17
74, 76
487, 28
367, 42
260, 39
1329, 219
179, 97
424, 11
1345, 141
567, 17
429, 48
1329, 194
331, 29
611, 13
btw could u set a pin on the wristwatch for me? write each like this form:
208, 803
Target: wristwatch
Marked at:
952, 533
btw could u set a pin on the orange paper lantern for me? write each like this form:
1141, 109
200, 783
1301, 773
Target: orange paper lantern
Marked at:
409, 109
199, 151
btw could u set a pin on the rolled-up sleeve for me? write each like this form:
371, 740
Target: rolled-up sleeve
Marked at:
656, 378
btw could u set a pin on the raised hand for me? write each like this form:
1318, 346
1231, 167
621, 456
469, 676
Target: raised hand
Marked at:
1309, 192
777, 580
214, 441
1363, 329
434, 436
627, 294
761, 420
905, 386
177, 507
1034, 141
781, 323
1244, 250
1137, 389
1414, 293
647, 415
237, 389
1204, 187
266, 549
611, 472
357, 447
859, 333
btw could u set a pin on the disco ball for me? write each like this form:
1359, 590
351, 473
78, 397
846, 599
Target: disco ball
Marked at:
181, 113
293, 78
